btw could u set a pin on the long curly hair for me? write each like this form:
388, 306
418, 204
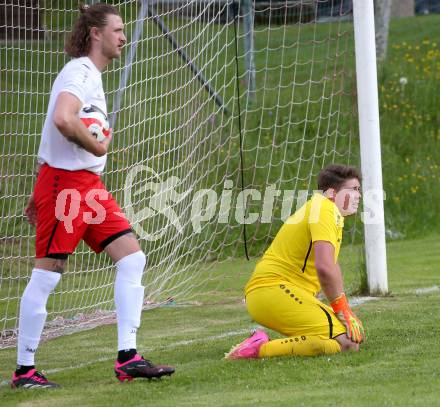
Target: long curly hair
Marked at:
78, 43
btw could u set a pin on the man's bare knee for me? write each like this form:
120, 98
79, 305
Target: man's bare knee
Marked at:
50, 264
347, 344
122, 246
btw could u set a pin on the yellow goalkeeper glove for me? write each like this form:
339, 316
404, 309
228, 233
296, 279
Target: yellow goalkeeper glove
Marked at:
355, 330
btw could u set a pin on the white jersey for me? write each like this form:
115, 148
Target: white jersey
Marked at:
81, 78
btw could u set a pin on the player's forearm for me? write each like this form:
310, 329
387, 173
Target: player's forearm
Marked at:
75, 131
330, 277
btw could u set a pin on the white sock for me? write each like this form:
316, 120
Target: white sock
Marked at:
33, 313
129, 298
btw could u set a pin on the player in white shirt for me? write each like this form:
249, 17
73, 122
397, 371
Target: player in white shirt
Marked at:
70, 161
82, 79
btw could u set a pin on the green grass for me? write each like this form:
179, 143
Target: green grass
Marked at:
409, 120
84, 290
410, 125
398, 365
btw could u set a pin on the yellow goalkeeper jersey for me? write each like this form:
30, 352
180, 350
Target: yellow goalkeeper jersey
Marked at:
291, 255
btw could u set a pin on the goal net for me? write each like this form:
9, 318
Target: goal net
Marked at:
223, 114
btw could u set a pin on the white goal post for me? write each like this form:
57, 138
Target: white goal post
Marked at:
369, 134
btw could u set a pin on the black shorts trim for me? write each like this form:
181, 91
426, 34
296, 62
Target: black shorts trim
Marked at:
110, 239
51, 237
330, 322
58, 256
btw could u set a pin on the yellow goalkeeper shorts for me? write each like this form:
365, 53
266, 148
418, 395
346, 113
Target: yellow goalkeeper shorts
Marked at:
292, 311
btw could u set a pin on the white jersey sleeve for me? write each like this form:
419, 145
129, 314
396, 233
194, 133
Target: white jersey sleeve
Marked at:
81, 78
79, 82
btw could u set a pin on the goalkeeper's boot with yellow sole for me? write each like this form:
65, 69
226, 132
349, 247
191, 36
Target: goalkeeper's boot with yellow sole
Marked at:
140, 367
249, 348
32, 380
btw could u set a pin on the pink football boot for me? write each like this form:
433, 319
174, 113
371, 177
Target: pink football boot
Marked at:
249, 348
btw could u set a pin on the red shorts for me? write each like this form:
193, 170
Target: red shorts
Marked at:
74, 205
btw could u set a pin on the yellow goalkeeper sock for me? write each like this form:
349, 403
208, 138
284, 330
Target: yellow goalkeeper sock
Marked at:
299, 346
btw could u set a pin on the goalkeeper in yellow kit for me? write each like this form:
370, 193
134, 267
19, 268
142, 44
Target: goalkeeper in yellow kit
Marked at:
300, 262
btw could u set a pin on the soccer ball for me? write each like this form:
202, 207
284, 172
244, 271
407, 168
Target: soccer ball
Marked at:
95, 120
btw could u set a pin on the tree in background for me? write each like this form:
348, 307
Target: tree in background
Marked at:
384, 9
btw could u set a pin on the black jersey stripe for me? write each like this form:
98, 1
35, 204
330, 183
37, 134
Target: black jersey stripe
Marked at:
307, 257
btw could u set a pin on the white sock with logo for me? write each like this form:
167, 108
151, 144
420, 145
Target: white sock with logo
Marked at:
33, 313
129, 298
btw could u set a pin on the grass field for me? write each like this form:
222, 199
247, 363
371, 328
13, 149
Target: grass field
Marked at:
399, 365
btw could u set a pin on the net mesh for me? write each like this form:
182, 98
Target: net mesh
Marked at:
174, 165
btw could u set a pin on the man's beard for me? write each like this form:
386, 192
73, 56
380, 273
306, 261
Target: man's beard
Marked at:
110, 53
